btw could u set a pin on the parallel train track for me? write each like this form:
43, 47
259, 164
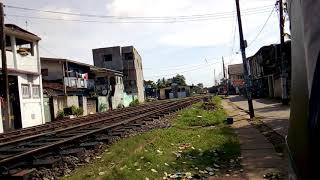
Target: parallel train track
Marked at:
29, 147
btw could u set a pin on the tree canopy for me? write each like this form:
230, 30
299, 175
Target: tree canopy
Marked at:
162, 83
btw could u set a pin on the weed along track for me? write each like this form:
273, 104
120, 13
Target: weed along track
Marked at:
196, 144
47, 145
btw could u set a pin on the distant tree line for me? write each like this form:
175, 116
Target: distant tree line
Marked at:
162, 83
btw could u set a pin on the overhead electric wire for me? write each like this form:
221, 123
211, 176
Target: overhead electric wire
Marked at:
184, 66
116, 22
175, 68
194, 69
264, 25
234, 29
140, 17
48, 51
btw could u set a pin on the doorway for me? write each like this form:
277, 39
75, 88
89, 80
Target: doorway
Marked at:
15, 112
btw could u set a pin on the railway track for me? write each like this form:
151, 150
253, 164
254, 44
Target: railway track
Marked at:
55, 125
43, 145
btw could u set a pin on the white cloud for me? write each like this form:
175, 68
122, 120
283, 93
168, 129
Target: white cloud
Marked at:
75, 40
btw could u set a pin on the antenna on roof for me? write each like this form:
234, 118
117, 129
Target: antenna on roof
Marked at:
27, 25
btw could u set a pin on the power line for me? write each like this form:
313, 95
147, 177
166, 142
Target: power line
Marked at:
234, 36
264, 25
194, 69
48, 51
139, 17
134, 22
170, 69
184, 66
233, 31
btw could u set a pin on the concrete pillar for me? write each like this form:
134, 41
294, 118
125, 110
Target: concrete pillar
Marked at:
55, 106
14, 51
85, 105
41, 99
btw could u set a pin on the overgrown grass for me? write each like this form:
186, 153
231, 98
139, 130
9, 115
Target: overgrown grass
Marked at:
197, 116
176, 149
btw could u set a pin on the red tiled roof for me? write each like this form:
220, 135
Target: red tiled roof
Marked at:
57, 86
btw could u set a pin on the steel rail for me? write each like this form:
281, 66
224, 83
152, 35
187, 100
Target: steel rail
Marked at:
67, 120
63, 123
77, 125
168, 108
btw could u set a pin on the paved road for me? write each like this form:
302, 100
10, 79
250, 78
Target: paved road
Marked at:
274, 114
258, 154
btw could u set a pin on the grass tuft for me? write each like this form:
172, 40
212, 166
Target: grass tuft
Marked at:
176, 149
198, 116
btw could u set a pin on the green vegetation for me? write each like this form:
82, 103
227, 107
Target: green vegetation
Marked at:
77, 111
162, 83
134, 103
184, 147
60, 114
73, 110
102, 107
198, 116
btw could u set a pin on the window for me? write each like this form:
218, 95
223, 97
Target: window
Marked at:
24, 47
44, 72
107, 57
25, 91
36, 91
128, 56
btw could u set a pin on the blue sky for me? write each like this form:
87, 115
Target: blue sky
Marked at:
193, 49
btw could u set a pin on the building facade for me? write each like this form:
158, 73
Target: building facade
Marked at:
174, 91
265, 68
70, 83
25, 84
235, 72
129, 62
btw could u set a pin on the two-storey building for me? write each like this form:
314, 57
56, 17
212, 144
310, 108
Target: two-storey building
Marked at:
70, 83
129, 62
25, 81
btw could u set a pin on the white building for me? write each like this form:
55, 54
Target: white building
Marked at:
25, 81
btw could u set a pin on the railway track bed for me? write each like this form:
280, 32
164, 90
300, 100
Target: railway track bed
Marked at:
57, 148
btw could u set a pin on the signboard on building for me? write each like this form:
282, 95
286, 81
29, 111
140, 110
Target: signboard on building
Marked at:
238, 82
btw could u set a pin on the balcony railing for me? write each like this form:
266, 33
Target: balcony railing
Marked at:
76, 82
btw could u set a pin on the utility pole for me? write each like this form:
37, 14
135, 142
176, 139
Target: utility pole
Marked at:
245, 64
214, 71
284, 73
224, 69
5, 80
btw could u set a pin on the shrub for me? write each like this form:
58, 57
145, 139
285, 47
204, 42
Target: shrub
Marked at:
134, 103
102, 107
73, 110
60, 114
78, 112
